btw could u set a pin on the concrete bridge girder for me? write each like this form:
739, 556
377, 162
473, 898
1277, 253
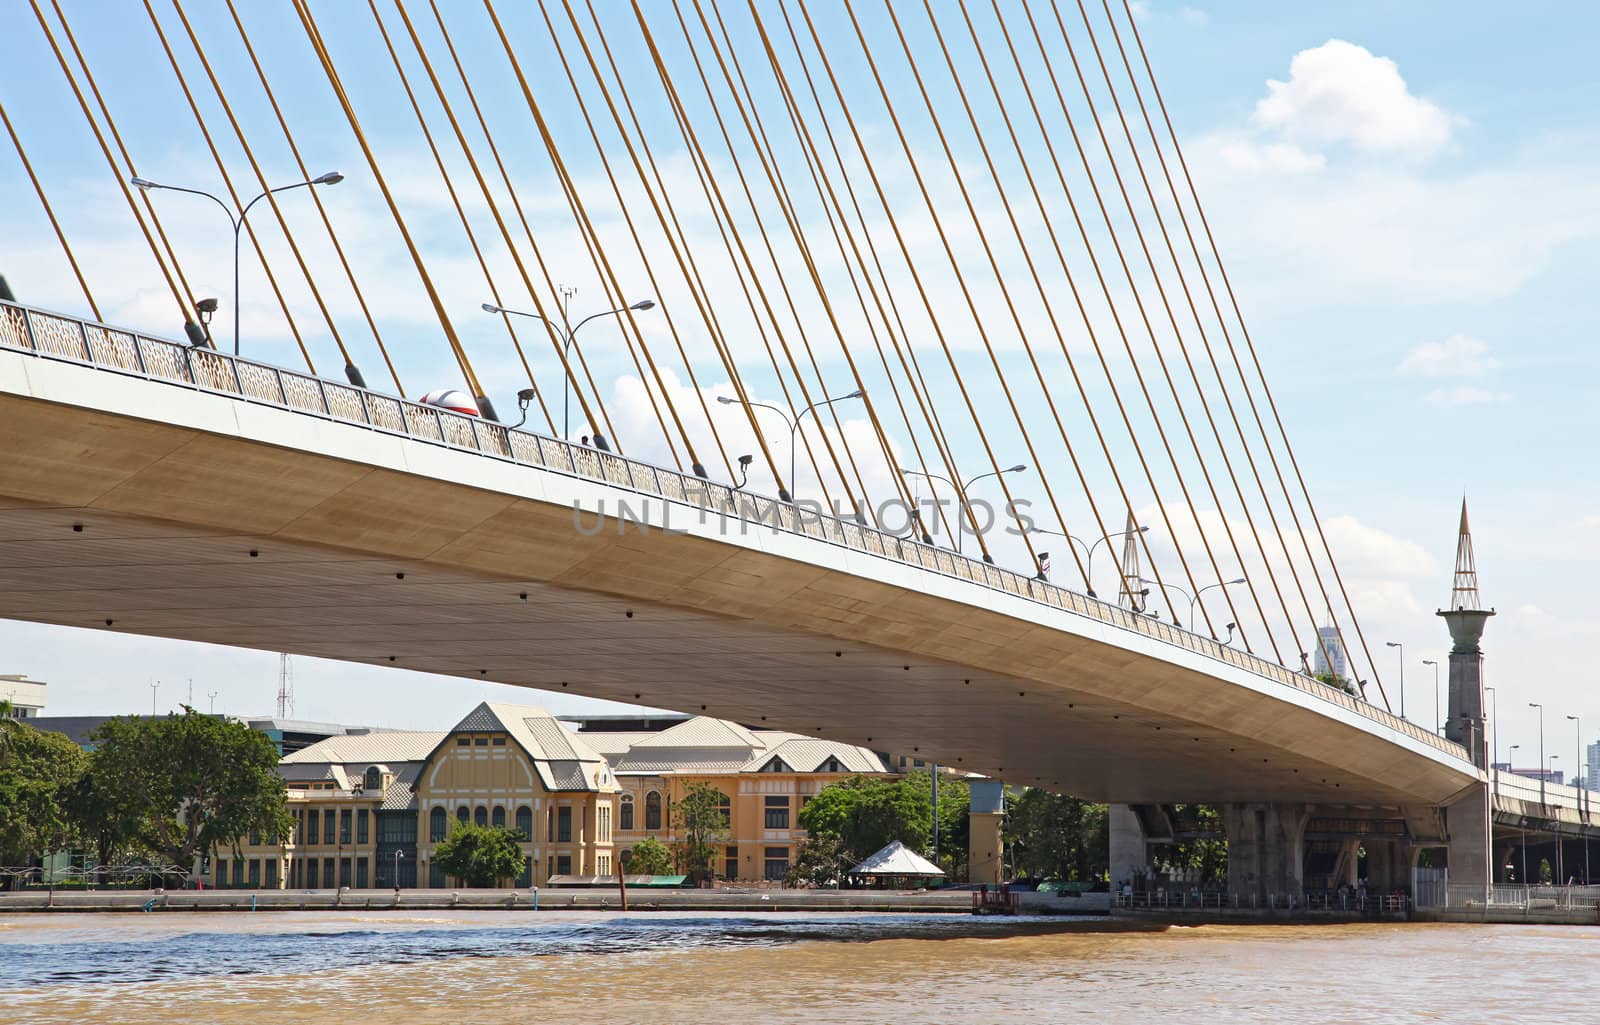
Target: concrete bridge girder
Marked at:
212, 519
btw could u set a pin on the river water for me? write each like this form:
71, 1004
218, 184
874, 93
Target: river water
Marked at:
493, 967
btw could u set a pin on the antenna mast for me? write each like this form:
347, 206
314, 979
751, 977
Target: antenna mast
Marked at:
285, 688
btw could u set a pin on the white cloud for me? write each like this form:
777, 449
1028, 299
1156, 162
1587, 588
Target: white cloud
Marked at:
1340, 93
1456, 356
1274, 157
1194, 16
1464, 396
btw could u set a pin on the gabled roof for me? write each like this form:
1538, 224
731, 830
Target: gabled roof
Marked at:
702, 732
562, 759
363, 749
807, 754
896, 860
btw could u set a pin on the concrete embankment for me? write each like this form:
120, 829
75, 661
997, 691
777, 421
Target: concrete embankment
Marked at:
1511, 915
928, 902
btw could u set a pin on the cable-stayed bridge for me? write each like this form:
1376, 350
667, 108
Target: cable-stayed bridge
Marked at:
942, 244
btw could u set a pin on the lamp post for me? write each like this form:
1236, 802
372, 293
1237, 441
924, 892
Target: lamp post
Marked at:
1431, 662
1524, 874
1494, 722
962, 489
397, 856
331, 178
1402, 647
1583, 799
1090, 548
570, 336
1535, 704
794, 426
1194, 599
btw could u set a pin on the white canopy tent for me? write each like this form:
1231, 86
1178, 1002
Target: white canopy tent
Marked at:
897, 860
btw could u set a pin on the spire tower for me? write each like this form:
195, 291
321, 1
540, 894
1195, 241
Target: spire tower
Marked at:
1466, 618
1130, 595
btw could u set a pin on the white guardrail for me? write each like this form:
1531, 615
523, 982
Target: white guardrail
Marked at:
70, 339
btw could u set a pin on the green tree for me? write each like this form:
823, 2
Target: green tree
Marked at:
1053, 836
865, 813
700, 817
955, 801
480, 855
1337, 682
650, 857
39, 772
1206, 854
184, 785
821, 860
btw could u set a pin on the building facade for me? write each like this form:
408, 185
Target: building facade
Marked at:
26, 696
370, 810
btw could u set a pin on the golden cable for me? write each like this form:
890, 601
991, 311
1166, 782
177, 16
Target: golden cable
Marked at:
1222, 269
308, 22
719, 203
316, 199
644, 259
1204, 339
1101, 359
1027, 258
666, 217
122, 183
227, 182
906, 356
61, 236
780, 192
272, 199
825, 192
1172, 320
494, 210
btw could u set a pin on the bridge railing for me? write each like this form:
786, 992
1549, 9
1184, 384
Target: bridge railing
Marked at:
60, 337
1549, 795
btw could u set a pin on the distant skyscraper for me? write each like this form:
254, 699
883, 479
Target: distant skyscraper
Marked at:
1591, 775
1328, 653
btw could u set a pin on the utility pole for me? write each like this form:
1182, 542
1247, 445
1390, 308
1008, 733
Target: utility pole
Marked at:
155, 685
212, 694
285, 688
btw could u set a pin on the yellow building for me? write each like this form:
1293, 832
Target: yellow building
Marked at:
371, 808
765, 776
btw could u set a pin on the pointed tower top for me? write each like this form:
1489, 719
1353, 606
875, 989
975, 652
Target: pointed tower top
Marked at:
1131, 594
1464, 589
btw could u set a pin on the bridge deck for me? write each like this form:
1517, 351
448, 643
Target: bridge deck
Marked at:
179, 462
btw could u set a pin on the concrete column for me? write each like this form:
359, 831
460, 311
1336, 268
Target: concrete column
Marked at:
1467, 821
1129, 853
985, 846
1266, 848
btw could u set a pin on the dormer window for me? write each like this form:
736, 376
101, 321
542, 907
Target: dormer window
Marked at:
831, 765
373, 779
776, 765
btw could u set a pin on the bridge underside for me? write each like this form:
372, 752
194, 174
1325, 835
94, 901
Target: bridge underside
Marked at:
112, 521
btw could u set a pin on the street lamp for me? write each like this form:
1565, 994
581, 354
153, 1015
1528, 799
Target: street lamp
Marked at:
1535, 704
566, 347
397, 856
331, 178
962, 489
794, 425
1494, 725
1194, 599
1431, 662
1402, 647
1089, 569
1524, 875
1583, 798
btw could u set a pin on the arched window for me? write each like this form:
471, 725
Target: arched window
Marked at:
498, 818
652, 810
436, 821
625, 817
525, 822
481, 816
463, 815
374, 779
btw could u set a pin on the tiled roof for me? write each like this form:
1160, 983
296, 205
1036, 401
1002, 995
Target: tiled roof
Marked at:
562, 759
703, 732
365, 749
806, 754
400, 795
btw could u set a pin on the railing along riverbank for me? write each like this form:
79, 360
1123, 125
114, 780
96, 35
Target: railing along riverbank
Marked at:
70, 339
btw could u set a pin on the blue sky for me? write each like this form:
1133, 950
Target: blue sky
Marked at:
1406, 197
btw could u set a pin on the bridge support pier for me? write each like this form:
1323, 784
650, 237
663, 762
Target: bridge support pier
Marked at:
985, 814
1129, 852
1266, 848
1467, 821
